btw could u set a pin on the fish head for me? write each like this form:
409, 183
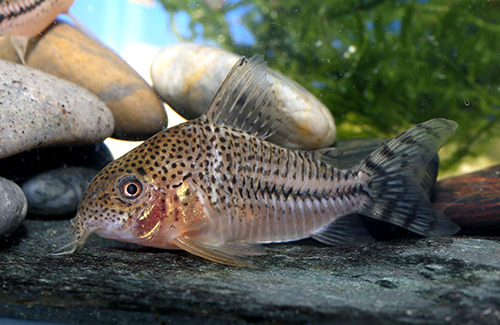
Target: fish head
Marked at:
114, 203
142, 198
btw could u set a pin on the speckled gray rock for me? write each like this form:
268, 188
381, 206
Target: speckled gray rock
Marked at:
187, 76
13, 206
40, 110
57, 191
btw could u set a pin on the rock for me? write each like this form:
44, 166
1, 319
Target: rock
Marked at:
450, 280
188, 75
67, 53
57, 191
54, 178
13, 206
40, 110
29, 164
472, 201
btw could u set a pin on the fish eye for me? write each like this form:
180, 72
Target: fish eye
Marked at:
130, 187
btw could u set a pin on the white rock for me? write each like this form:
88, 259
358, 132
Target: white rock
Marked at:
40, 110
187, 76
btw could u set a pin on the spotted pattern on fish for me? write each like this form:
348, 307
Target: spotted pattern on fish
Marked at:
214, 187
29, 17
232, 168
13, 9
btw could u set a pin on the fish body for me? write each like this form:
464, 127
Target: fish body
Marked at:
214, 187
29, 17
24, 19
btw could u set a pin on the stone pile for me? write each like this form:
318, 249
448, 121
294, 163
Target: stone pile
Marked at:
54, 114
67, 53
39, 111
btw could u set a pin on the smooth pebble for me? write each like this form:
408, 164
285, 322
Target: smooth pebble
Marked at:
13, 206
23, 166
187, 76
57, 191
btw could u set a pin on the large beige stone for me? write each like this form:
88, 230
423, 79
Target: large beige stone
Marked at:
39, 110
67, 53
188, 75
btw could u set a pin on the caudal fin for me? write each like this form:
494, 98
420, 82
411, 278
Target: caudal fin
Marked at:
392, 175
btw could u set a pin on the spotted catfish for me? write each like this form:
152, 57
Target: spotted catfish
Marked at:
214, 187
24, 19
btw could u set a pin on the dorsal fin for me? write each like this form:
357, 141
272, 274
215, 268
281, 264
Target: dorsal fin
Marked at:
246, 101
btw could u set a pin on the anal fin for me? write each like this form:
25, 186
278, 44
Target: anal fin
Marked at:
228, 253
345, 231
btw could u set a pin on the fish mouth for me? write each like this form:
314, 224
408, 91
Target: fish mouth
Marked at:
125, 229
76, 236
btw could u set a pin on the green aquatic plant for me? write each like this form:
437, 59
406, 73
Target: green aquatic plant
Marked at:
380, 66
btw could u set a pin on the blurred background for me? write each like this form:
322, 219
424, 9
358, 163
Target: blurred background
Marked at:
136, 32
380, 66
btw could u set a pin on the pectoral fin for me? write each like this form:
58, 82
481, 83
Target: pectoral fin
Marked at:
20, 44
229, 253
198, 239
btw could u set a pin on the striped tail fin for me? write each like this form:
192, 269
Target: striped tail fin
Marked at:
392, 175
